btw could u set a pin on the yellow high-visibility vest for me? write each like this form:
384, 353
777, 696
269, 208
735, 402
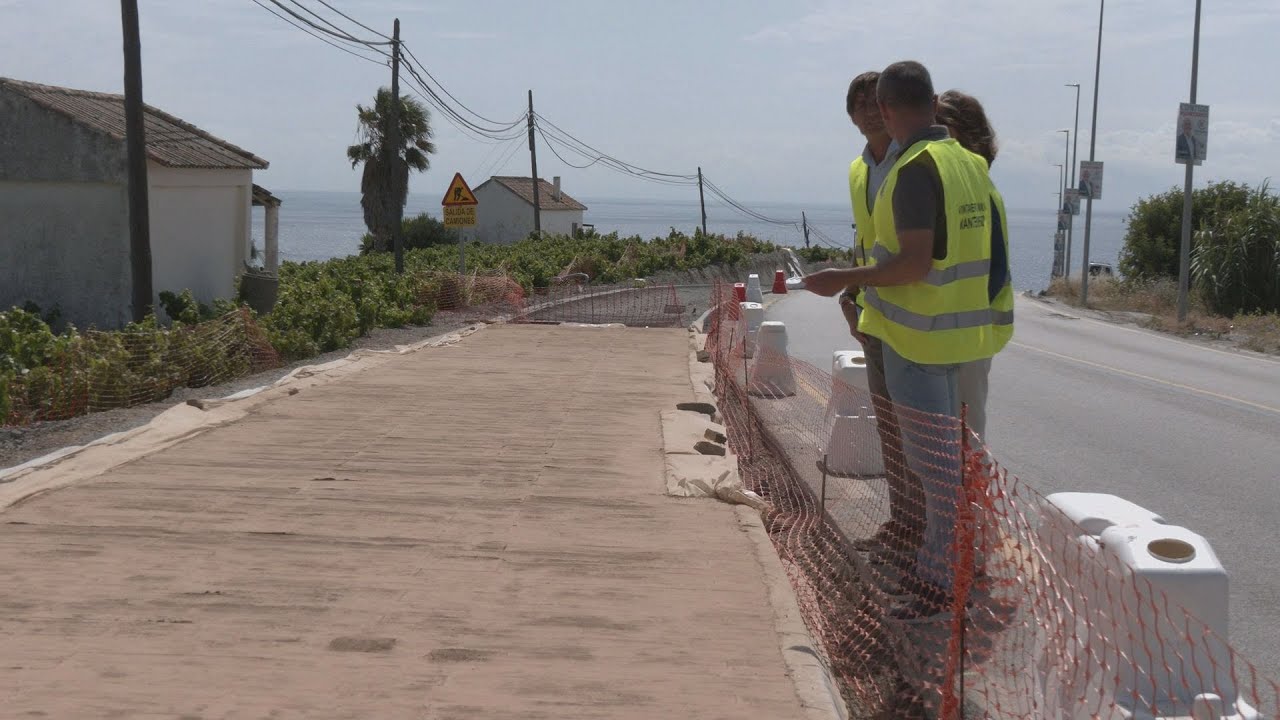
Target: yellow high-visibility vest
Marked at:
949, 316
859, 179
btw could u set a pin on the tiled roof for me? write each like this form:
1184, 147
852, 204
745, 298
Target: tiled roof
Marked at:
523, 187
170, 141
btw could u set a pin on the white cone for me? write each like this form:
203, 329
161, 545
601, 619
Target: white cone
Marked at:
771, 374
754, 293
849, 389
854, 449
752, 316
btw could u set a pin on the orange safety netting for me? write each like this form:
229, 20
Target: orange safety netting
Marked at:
941, 586
643, 306
96, 371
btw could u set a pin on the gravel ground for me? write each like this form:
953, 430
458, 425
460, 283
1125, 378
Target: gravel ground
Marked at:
20, 444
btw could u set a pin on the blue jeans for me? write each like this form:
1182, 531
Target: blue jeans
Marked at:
932, 447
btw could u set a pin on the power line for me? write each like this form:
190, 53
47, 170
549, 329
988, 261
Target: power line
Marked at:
570, 140
357, 22
456, 118
553, 141
340, 34
501, 127
339, 31
321, 38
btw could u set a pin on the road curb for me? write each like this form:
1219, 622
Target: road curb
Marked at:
806, 664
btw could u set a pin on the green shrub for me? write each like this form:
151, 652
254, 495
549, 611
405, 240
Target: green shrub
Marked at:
1236, 259
1153, 239
417, 232
817, 254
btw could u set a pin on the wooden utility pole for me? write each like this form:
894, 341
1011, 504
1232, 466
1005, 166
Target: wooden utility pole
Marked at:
136, 144
805, 223
533, 158
702, 200
393, 143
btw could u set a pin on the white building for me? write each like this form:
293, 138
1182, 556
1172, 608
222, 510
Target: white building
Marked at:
64, 210
505, 211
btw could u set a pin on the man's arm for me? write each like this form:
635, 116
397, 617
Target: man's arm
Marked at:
916, 202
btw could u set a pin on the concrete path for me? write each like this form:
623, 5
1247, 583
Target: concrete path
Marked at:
473, 531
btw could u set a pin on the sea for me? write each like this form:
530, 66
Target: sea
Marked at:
322, 225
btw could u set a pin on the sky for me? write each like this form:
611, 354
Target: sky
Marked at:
752, 91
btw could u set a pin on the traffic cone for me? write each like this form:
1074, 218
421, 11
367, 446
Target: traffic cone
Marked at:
779, 282
739, 292
771, 374
754, 293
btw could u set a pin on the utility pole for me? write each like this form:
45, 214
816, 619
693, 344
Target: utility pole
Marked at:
805, 224
702, 200
533, 158
1184, 256
393, 143
136, 144
1093, 146
1071, 221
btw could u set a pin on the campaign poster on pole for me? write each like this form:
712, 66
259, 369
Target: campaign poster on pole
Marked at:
1072, 203
1192, 143
1091, 179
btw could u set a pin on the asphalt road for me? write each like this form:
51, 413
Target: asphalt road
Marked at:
1188, 431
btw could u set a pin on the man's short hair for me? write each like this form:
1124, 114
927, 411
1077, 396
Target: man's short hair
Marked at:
906, 85
862, 85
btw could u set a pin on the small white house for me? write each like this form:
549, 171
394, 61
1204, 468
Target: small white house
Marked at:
64, 210
505, 211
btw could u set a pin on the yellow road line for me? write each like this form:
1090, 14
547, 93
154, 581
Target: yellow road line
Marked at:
1140, 376
809, 388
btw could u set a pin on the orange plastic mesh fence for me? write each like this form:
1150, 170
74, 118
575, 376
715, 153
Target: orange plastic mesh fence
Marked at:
98, 371
647, 306
939, 585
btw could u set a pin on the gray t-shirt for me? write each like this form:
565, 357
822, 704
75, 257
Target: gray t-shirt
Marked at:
917, 199
878, 171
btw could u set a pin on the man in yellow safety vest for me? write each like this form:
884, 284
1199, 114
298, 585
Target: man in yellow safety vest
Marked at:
901, 535
927, 298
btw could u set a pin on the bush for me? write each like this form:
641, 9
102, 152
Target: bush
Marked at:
816, 254
417, 232
1236, 260
1154, 237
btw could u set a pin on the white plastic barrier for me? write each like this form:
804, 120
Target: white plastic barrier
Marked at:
752, 317
848, 383
854, 449
1123, 561
754, 292
771, 374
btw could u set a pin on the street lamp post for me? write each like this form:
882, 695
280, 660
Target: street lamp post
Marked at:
1093, 146
1184, 256
1071, 221
1066, 152
1061, 193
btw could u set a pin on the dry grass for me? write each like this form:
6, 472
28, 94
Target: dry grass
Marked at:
1159, 300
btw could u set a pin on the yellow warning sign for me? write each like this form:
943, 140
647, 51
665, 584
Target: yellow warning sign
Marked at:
459, 194
459, 215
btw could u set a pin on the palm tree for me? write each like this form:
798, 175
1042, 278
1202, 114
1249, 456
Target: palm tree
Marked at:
384, 189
